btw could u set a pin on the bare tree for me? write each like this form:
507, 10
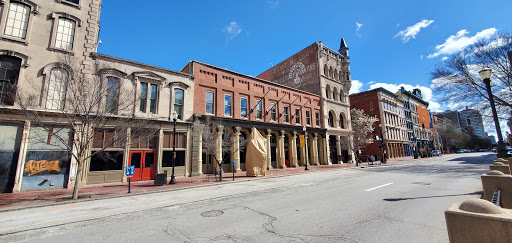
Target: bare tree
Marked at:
362, 127
458, 81
211, 130
77, 106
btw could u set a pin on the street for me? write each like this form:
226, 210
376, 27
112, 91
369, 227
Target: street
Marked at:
396, 203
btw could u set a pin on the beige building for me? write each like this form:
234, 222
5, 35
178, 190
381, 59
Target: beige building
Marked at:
50, 72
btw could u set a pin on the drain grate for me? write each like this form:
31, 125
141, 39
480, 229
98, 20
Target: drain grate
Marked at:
212, 213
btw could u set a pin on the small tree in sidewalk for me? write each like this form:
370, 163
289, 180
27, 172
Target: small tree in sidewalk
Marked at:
213, 128
81, 105
362, 126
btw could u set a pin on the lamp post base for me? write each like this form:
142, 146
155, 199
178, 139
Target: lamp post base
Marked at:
306, 167
172, 181
502, 150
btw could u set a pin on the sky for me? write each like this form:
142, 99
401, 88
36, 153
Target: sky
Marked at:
391, 43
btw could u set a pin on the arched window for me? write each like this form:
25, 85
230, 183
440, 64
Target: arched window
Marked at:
335, 93
112, 95
327, 91
9, 73
342, 122
56, 88
342, 95
336, 74
17, 20
325, 70
331, 73
178, 103
331, 120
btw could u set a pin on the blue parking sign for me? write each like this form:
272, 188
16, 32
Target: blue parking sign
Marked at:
130, 170
234, 163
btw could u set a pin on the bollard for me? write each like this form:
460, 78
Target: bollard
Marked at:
497, 179
477, 220
499, 166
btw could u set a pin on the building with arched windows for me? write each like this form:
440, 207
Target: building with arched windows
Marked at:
325, 72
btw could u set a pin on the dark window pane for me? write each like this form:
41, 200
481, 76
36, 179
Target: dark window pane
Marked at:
149, 160
111, 160
136, 159
180, 159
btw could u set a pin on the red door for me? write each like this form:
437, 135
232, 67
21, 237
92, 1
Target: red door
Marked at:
286, 158
144, 162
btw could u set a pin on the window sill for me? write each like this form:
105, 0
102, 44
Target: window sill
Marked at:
14, 39
61, 50
69, 3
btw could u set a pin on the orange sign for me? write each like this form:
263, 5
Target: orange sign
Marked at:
33, 167
302, 143
422, 149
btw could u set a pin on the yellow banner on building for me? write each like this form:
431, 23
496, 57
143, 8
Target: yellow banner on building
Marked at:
302, 143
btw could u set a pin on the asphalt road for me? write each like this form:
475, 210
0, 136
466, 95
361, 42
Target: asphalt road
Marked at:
400, 203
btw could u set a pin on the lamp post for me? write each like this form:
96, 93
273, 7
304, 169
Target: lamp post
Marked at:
306, 148
174, 118
383, 159
485, 74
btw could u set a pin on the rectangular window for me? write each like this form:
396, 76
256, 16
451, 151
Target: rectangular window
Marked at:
285, 112
178, 103
73, 1
107, 160
259, 109
297, 116
17, 20
273, 112
65, 34
112, 96
308, 117
317, 118
153, 99
143, 96
227, 105
243, 107
209, 102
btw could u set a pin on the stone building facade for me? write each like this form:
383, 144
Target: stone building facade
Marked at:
242, 102
37, 40
325, 72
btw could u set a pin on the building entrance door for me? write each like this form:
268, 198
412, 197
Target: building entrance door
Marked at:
286, 158
144, 162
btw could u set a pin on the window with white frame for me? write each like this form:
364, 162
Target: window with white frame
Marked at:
209, 102
56, 88
273, 111
297, 115
9, 73
17, 20
178, 102
308, 117
243, 107
148, 95
259, 109
143, 96
65, 34
285, 113
227, 105
153, 98
317, 118
112, 95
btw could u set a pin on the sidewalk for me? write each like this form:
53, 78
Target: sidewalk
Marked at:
15, 201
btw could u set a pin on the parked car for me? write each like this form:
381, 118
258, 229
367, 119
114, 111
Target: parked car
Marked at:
436, 153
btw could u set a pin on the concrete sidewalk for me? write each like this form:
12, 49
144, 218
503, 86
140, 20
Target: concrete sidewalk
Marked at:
26, 199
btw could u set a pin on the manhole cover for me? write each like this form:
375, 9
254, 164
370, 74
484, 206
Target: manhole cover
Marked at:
213, 213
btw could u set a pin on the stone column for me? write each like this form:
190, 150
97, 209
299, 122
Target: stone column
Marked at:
160, 151
293, 148
197, 151
328, 149
338, 147
218, 143
315, 149
236, 146
21, 158
269, 154
280, 150
306, 148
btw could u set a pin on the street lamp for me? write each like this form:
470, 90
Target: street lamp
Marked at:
174, 118
306, 148
383, 159
485, 74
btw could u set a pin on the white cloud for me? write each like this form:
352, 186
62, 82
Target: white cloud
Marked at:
421, 57
359, 25
232, 30
444, 58
273, 4
356, 87
426, 92
459, 41
412, 31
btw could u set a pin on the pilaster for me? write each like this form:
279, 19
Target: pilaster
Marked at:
269, 154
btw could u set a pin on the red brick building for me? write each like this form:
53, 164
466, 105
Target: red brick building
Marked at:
242, 102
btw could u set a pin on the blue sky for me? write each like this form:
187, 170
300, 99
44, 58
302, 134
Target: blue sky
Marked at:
392, 43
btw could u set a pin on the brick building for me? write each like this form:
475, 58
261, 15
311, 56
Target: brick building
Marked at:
390, 129
322, 71
242, 102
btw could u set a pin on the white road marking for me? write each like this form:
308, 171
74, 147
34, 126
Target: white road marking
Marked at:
377, 187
